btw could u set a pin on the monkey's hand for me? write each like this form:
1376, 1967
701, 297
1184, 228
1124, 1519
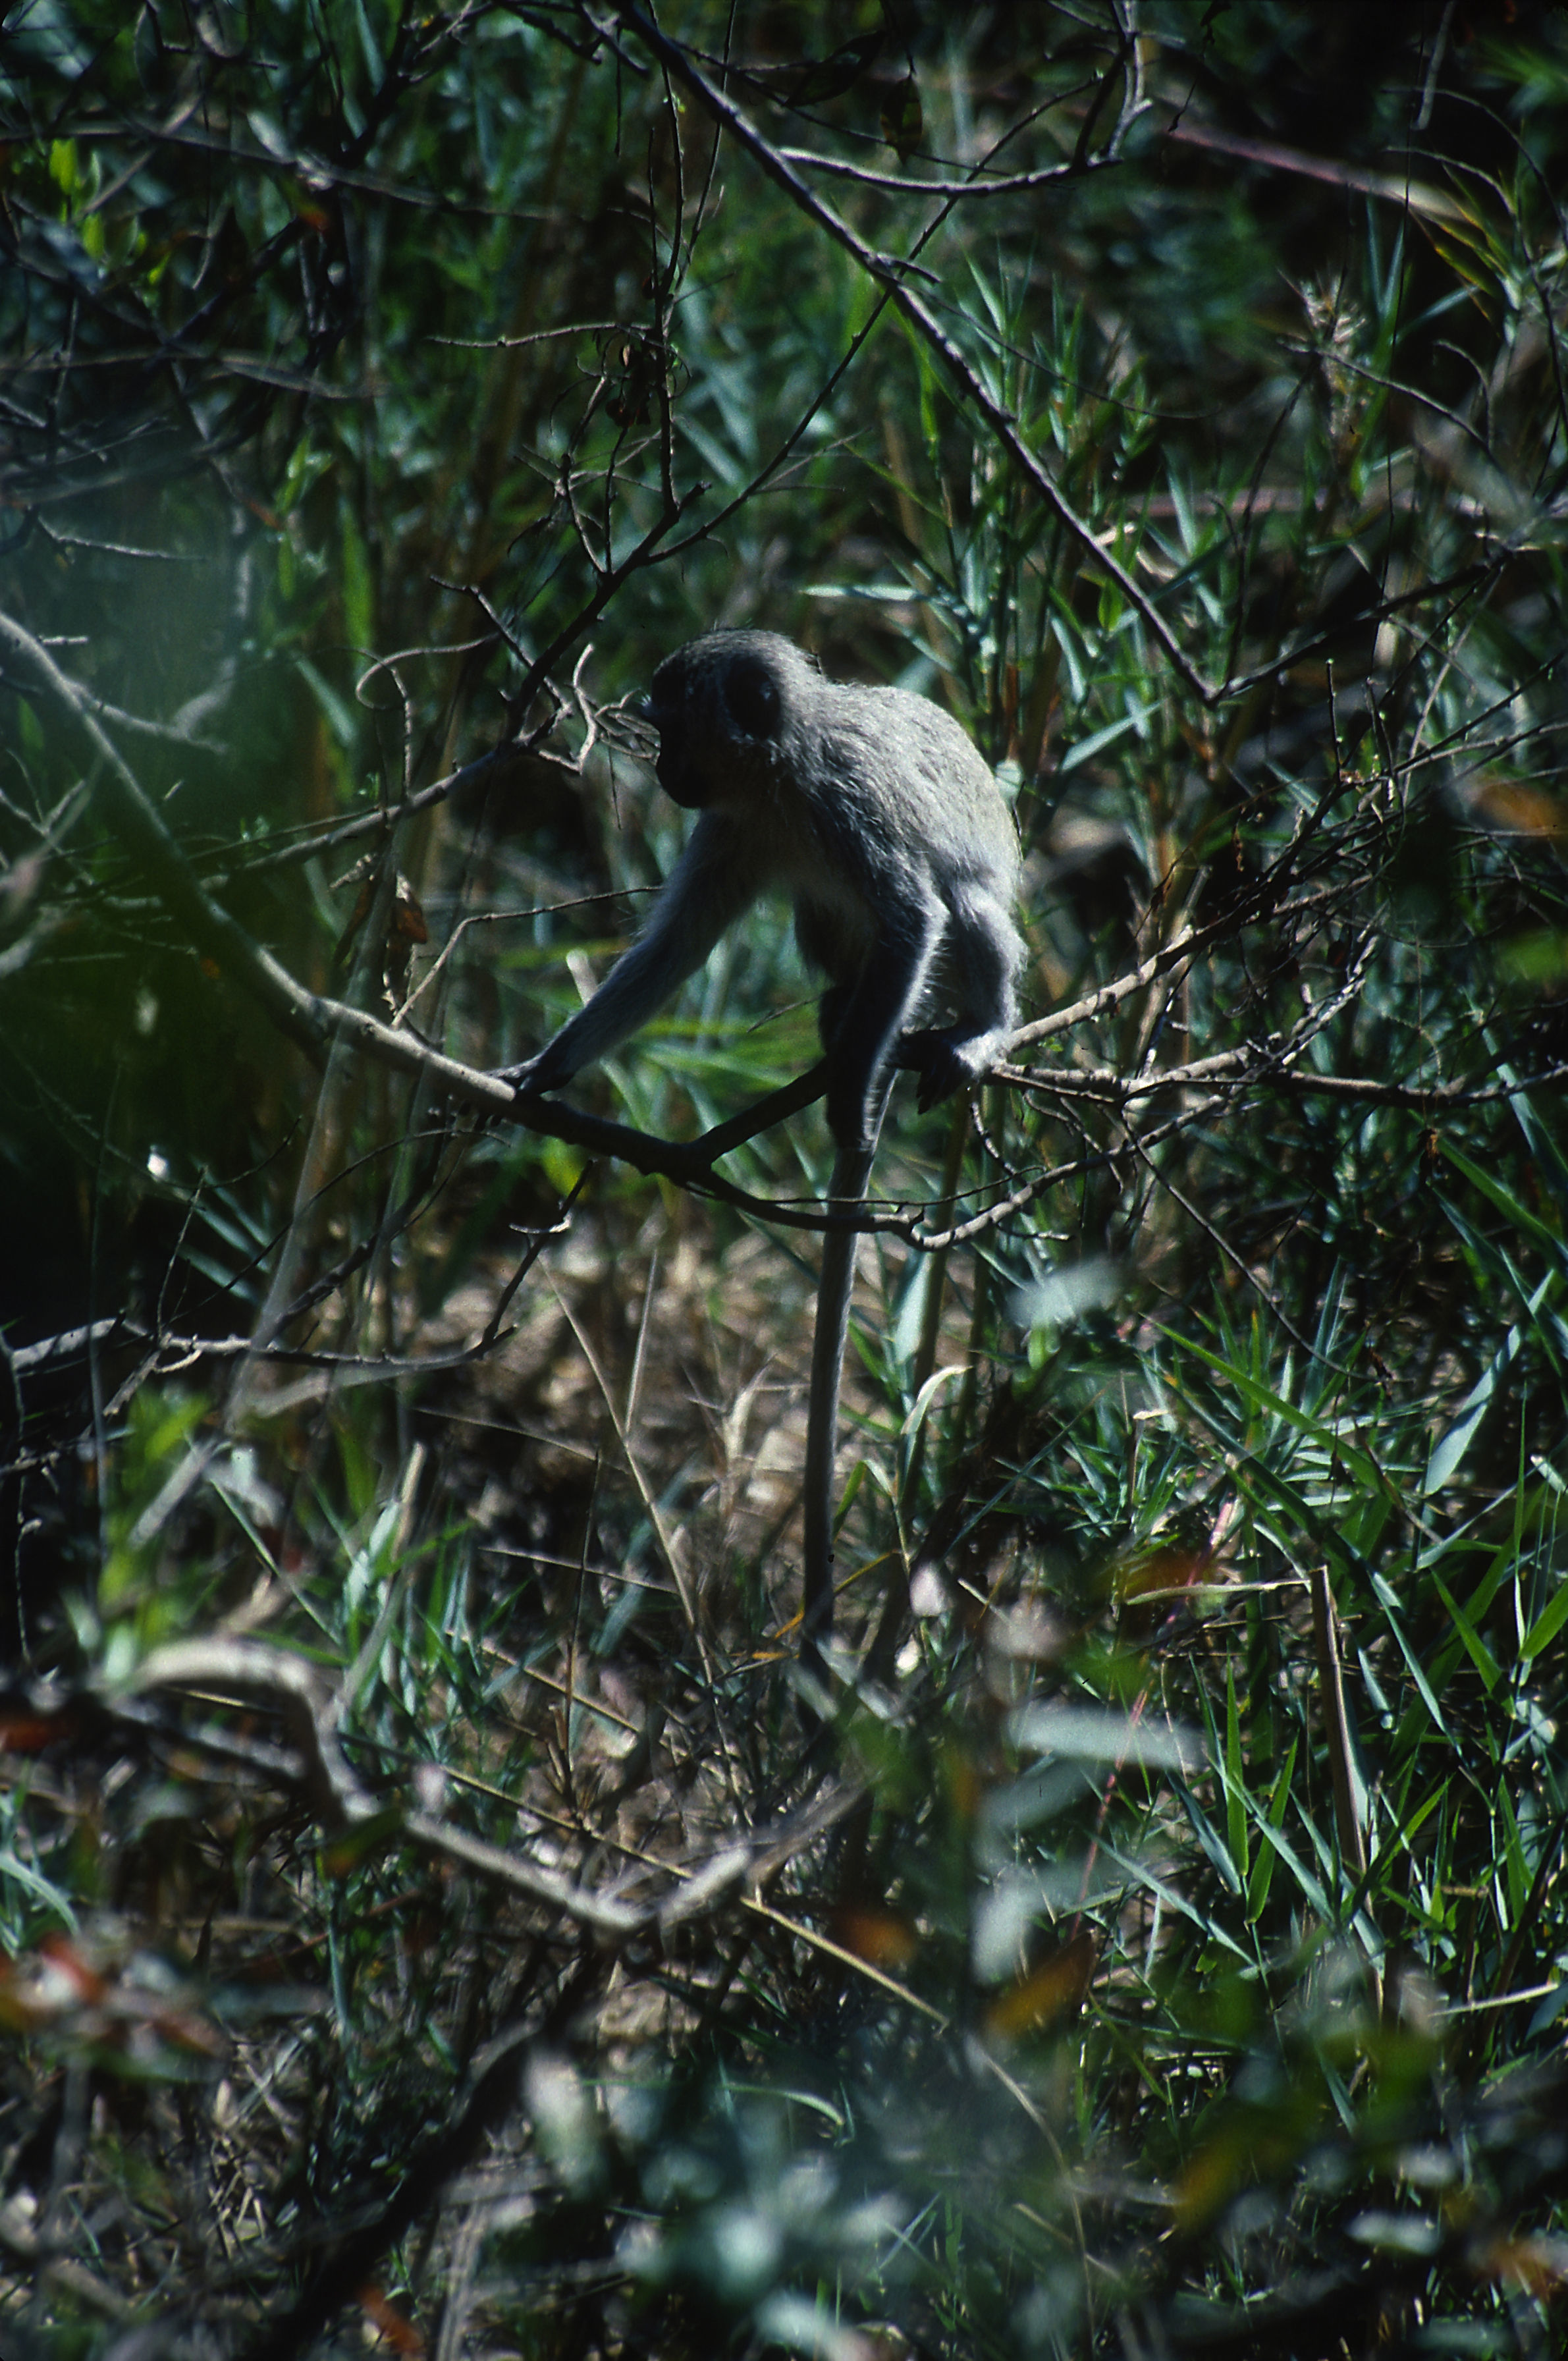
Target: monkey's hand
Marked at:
534, 1075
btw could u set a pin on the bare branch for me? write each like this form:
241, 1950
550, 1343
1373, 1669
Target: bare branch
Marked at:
890, 273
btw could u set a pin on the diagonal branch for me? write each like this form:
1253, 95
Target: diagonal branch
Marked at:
888, 272
163, 860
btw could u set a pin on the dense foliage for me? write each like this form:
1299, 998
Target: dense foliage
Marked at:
425, 1911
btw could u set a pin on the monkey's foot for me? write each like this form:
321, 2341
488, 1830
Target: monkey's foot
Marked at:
942, 1068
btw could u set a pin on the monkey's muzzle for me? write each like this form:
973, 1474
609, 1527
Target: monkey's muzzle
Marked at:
673, 765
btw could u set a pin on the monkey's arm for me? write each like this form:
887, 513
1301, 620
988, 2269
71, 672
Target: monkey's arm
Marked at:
987, 953
713, 882
862, 1021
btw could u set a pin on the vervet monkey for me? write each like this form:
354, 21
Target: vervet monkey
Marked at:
872, 812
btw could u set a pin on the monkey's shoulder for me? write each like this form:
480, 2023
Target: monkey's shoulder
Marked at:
893, 733
896, 780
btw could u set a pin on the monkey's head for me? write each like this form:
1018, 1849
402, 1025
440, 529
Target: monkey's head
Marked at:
721, 706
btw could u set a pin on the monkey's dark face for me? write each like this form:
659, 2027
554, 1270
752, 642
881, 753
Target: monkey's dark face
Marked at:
713, 705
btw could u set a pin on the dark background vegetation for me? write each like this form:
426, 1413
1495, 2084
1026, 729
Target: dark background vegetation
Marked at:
424, 1916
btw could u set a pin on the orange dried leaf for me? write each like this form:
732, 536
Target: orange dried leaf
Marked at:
389, 2322
879, 1937
1515, 811
1055, 1989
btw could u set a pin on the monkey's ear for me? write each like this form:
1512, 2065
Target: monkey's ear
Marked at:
751, 697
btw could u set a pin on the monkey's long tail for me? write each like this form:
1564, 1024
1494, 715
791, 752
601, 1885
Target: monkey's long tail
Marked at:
839, 1247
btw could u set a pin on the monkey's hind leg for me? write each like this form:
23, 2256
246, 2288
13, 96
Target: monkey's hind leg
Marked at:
839, 1249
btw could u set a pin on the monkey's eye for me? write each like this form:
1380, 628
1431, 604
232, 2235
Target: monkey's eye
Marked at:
752, 699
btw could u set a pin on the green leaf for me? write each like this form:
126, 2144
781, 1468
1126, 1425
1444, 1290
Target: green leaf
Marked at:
1480, 1655
1273, 1821
902, 119
830, 77
358, 592
1235, 1776
1448, 1454
1547, 1624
